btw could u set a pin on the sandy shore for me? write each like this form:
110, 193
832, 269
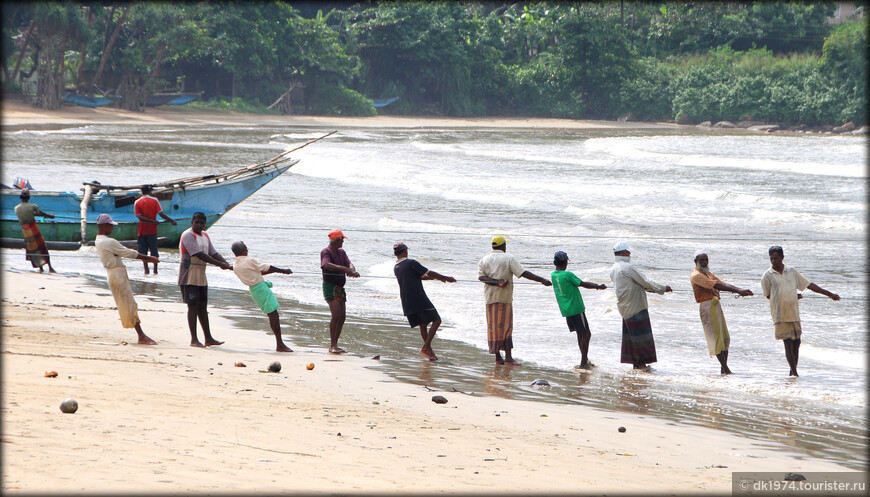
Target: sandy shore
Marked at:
17, 114
173, 418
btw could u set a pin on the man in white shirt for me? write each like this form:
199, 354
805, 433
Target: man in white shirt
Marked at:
111, 251
631, 285
780, 284
250, 272
496, 270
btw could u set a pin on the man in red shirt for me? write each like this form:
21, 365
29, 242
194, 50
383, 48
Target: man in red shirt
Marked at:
146, 209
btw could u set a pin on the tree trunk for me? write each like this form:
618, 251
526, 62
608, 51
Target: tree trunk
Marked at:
108, 48
48, 89
27, 35
283, 103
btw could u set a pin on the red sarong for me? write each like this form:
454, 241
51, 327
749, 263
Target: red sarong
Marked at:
36, 251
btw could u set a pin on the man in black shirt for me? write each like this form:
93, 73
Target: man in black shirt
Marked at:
415, 304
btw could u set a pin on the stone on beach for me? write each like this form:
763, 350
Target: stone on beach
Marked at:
275, 367
241, 365
438, 399
69, 406
621, 429
540, 383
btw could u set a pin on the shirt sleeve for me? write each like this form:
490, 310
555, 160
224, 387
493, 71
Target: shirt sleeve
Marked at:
481, 269
121, 251
211, 250
325, 257
699, 279
575, 279
800, 281
648, 285
419, 268
188, 241
261, 266
765, 285
516, 267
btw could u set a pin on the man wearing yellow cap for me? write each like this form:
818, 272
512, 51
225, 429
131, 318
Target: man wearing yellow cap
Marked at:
336, 266
496, 270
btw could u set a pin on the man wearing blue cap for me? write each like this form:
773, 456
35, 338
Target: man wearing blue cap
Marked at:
496, 270
566, 286
631, 285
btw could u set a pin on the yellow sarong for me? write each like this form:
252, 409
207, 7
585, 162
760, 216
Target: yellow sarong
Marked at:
119, 284
715, 329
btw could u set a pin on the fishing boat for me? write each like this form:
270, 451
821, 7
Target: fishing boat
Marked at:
156, 99
76, 213
85, 101
383, 102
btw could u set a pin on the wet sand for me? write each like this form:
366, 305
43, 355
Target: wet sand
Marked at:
174, 418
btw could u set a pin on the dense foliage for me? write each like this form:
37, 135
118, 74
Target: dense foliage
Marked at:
766, 61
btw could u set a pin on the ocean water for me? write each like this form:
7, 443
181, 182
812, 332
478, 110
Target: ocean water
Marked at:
446, 191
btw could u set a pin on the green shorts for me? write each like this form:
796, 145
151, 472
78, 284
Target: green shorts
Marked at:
263, 296
332, 291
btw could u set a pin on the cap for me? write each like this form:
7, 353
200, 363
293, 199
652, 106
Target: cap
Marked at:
560, 256
399, 248
336, 234
699, 253
619, 247
498, 240
105, 219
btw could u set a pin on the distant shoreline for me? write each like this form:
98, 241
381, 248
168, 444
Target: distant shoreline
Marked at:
18, 115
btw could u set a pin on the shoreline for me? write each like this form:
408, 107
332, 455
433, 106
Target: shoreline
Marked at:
18, 115
173, 418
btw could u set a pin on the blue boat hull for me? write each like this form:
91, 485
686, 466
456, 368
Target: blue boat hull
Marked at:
214, 200
85, 101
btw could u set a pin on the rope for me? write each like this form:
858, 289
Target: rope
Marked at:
320, 274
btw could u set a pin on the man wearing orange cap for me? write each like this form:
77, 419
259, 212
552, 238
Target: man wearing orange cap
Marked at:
497, 270
336, 267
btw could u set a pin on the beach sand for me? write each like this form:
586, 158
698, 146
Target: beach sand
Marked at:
171, 418
174, 418
16, 113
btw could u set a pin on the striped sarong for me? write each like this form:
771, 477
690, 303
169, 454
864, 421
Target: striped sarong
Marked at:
119, 284
499, 326
715, 330
35, 245
638, 346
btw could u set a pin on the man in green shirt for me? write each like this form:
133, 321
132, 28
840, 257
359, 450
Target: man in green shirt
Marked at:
566, 286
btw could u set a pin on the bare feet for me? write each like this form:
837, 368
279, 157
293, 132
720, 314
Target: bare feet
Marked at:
196, 343
429, 353
283, 348
211, 342
41, 270
144, 340
51, 270
512, 362
336, 350
586, 365
147, 272
725, 370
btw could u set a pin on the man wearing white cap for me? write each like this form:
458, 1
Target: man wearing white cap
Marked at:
706, 287
496, 270
111, 251
631, 285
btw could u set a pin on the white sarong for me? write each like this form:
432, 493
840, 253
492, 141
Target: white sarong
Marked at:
119, 284
715, 329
